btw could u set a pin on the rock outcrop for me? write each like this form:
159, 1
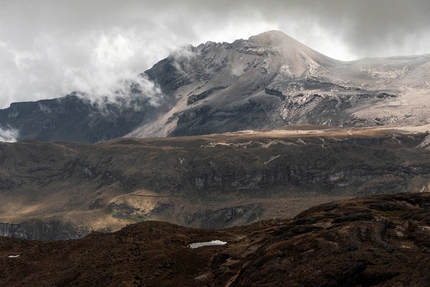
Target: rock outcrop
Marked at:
73, 118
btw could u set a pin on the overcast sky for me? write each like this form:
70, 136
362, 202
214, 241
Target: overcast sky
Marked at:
49, 48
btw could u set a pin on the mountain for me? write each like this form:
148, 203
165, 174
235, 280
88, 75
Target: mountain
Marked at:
267, 81
372, 241
271, 80
64, 190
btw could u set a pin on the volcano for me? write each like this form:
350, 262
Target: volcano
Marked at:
271, 80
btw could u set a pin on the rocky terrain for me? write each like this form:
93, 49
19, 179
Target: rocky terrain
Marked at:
67, 189
371, 241
267, 81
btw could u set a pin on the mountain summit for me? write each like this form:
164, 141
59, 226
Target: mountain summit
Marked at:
288, 48
267, 81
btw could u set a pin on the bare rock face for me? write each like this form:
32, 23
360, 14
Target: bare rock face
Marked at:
271, 80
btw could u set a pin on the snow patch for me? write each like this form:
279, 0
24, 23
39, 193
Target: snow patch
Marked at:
87, 171
286, 70
313, 67
44, 109
208, 243
381, 74
13, 256
425, 143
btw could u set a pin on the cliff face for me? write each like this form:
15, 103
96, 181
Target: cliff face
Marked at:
211, 181
324, 164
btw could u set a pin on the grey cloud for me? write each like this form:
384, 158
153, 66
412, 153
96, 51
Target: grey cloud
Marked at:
50, 48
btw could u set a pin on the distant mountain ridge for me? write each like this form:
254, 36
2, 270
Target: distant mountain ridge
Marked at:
267, 81
72, 118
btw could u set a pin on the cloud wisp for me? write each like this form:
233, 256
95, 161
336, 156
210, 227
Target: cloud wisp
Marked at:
9, 135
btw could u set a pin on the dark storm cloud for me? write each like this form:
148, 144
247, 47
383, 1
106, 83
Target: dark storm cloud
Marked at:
49, 48
375, 28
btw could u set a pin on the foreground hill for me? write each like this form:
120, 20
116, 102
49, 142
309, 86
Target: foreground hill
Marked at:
371, 241
64, 190
267, 81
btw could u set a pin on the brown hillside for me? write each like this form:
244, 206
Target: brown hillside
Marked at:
63, 190
371, 241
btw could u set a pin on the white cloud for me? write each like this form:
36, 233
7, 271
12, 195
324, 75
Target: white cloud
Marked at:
8, 135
